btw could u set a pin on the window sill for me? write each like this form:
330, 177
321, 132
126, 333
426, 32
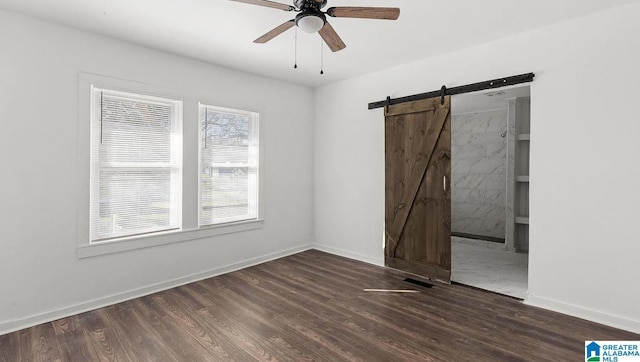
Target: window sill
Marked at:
140, 242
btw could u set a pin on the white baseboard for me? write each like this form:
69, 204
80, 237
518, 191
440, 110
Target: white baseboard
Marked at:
351, 255
584, 313
18, 324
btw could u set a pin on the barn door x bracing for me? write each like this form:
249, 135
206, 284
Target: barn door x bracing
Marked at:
417, 190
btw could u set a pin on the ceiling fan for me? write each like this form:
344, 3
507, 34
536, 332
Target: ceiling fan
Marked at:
312, 19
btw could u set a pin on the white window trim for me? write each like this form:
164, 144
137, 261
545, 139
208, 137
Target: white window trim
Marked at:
190, 181
255, 117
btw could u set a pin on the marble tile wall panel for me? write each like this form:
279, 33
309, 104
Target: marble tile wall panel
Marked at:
478, 173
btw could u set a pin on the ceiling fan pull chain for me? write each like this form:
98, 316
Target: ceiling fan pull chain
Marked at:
295, 56
321, 57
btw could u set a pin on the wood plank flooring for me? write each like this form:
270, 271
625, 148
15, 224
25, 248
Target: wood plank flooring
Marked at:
311, 306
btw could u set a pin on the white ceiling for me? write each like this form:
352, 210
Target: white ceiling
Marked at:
222, 31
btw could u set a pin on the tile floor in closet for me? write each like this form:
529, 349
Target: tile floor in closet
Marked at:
483, 265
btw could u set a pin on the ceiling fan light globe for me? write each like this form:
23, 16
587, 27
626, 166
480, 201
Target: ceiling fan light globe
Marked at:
310, 23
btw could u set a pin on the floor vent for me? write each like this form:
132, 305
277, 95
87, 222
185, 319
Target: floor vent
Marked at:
418, 282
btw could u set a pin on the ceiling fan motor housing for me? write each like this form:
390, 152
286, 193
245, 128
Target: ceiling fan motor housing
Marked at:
309, 4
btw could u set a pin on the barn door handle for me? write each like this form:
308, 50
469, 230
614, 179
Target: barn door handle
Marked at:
444, 183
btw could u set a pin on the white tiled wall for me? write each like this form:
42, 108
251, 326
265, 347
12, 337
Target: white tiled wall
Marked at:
478, 173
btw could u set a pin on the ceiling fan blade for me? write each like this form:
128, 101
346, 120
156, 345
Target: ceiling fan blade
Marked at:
364, 12
329, 35
267, 3
276, 31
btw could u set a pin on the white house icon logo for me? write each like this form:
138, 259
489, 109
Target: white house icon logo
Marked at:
592, 352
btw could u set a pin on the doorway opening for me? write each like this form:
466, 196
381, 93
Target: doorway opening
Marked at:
490, 138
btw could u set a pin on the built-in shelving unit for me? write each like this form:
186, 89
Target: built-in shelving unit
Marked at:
519, 129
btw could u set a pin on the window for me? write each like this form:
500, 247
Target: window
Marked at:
136, 164
148, 177
228, 165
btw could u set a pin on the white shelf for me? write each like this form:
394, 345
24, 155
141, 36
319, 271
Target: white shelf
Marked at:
524, 137
522, 178
522, 220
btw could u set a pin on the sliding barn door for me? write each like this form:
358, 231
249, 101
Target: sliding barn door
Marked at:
417, 188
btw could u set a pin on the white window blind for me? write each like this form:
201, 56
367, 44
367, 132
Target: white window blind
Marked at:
136, 164
228, 165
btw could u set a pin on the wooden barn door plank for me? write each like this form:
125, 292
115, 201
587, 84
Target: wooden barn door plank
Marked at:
417, 195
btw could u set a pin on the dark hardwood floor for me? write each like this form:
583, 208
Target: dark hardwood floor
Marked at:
311, 306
